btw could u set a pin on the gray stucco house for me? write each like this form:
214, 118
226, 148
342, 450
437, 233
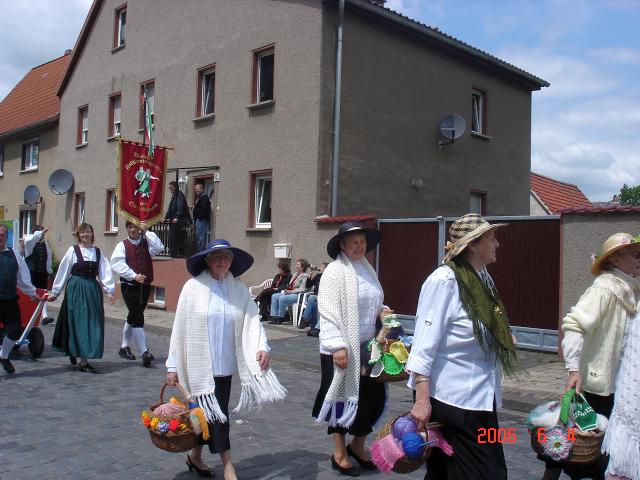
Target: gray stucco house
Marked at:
245, 93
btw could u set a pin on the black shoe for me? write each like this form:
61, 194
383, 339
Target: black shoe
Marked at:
352, 471
126, 353
303, 324
7, 365
47, 320
73, 360
313, 332
86, 368
205, 472
147, 357
275, 320
366, 464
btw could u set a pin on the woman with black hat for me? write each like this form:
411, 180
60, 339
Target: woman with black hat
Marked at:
216, 333
349, 305
461, 346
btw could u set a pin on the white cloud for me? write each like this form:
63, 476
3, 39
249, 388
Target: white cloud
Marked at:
620, 56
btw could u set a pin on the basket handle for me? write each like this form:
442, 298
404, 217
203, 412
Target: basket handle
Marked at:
567, 398
184, 393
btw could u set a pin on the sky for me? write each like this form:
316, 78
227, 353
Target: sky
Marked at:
585, 126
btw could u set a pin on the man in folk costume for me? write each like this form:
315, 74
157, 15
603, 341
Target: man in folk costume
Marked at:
131, 260
461, 346
38, 256
14, 275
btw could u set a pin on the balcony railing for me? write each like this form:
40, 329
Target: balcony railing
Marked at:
178, 239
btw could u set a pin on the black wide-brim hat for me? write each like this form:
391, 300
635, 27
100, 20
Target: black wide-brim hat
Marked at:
241, 262
371, 234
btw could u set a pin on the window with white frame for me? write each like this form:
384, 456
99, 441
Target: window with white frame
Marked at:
27, 220
478, 113
261, 200
112, 211
149, 90
79, 202
158, 295
120, 30
263, 75
115, 115
207, 84
30, 154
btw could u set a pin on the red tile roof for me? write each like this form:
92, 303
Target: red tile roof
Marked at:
345, 218
556, 195
33, 100
610, 209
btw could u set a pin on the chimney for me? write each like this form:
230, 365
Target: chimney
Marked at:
68, 51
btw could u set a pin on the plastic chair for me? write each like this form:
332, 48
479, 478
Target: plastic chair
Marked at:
255, 290
297, 309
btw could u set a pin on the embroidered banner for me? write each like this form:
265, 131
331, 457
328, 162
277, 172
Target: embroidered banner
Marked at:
141, 178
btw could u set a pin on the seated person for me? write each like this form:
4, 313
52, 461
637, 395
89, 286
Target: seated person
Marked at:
263, 299
288, 296
310, 313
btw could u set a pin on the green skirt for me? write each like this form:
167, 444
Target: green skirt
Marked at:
80, 326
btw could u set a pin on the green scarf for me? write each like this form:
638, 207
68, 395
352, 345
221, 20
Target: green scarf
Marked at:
487, 313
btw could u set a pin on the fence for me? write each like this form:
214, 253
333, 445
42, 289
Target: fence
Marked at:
178, 239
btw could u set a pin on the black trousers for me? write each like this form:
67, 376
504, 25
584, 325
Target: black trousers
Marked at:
264, 301
219, 432
135, 298
10, 318
371, 400
39, 279
471, 460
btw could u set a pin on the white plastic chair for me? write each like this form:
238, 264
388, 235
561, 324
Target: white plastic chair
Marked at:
255, 290
297, 309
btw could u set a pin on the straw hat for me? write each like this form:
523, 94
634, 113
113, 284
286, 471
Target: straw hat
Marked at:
611, 245
464, 231
241, 262
371, 234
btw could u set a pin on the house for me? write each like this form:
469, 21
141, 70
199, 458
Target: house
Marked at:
245, 92
29, 117
550, 196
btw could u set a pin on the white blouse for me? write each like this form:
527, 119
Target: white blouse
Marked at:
89, 254
446, 349
119, 255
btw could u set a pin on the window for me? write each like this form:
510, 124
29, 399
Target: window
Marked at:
83, 125
260, 205
1, 160
115, 115
78, 214
478, 112
478, 203
120, 28
30, 154
158, 295
206, 91
150, 90
27, 220
263, 75
112, 212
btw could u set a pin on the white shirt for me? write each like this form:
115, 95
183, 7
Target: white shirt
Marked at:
89, 254
446, 349
30, 242
222, 331
24, 276
119, 256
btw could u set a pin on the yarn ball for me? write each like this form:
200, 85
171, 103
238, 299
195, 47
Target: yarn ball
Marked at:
413, 445
402, 426
195, 423
162, 427
169, 409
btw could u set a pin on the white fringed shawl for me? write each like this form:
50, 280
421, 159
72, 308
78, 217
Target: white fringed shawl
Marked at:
340, 324
189, 347
622, 440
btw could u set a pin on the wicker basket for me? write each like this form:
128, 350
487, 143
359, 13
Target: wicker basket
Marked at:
585, 450
174, 441
385, 377
406, 465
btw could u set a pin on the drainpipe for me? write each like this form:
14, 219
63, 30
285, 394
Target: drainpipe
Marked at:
335, 168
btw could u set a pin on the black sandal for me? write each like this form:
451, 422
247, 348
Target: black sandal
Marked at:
86, 368
202, 472
366, 464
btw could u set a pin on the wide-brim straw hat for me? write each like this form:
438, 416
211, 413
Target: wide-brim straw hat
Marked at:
464, 231
241, 262
371, 234
613, 244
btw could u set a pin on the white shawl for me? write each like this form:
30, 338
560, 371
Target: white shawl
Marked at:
622, 439
189, 347
340, 328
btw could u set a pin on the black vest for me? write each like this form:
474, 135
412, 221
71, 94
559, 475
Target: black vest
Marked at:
85, 268
37, 261
8, 275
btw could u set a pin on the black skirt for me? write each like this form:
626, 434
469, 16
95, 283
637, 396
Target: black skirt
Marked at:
219, 432
372, 397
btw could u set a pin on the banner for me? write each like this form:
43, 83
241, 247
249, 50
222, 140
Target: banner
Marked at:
141, 179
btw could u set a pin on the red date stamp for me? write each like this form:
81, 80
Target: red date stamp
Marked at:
542, 436
497, 435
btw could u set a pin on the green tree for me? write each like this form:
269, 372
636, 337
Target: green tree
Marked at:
630, 195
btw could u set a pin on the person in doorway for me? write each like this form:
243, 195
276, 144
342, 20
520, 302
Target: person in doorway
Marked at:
131, 260
202, 215
39, 258
461, 346
179, 221
14, 275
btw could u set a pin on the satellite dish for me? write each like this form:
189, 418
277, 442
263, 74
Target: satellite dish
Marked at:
60, 181
31, 195
452, 127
